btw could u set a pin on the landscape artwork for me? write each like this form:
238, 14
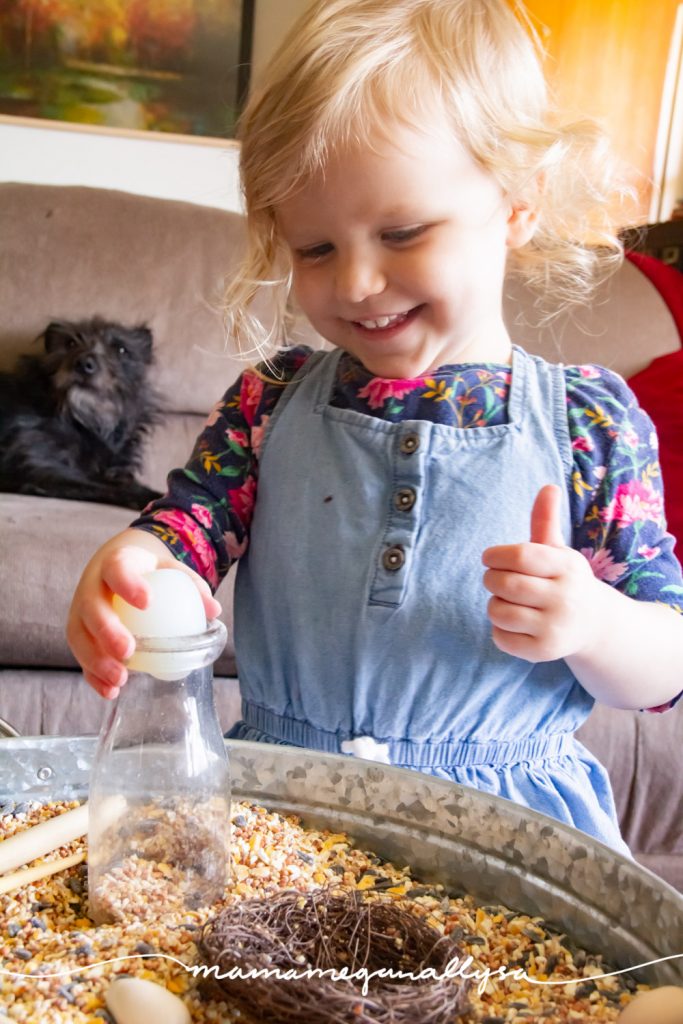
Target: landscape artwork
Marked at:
177, 66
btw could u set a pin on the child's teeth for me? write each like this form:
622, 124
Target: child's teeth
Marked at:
382, 321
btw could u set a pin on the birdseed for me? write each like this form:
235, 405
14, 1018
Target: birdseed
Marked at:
45, 928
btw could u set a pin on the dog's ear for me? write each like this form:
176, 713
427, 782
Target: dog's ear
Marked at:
142, 338
57, 336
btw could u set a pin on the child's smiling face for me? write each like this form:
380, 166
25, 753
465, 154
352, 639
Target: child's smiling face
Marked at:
398, 253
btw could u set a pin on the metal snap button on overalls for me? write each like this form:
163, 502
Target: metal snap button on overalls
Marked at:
404, 499
393, 558
410, 443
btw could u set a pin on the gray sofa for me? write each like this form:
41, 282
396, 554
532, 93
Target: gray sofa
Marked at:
75, 252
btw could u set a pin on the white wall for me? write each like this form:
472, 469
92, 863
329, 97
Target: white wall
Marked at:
201, 171
205, 171
170, 168
273, 18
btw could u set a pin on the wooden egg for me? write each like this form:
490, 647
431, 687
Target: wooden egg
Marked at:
660, 1006
136, 1001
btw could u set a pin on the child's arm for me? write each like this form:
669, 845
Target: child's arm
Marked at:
98, 640
199, 526
548, 604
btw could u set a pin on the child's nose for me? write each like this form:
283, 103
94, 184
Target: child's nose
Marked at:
359, 278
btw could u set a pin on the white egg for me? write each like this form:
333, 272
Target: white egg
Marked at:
136, 1001
659, 1006
175, 607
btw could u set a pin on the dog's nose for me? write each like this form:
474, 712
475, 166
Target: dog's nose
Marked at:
86, 364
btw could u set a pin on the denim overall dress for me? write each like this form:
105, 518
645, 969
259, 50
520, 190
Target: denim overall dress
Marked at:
360, 611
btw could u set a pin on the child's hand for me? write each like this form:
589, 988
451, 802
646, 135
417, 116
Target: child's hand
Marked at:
96, 636
546, 600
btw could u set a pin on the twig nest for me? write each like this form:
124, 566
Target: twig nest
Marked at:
660, 1006
295, 936
136, 1001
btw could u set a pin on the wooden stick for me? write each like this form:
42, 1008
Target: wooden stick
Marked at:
19, 878
43, 838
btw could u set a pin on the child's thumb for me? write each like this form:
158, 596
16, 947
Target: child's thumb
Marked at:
546, 527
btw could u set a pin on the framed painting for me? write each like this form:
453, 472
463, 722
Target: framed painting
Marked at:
175, 66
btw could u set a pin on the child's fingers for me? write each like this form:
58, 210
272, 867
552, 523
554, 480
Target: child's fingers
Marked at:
104, 670
106, 629
102, 687
123, 571
518, 645
212, 607
546, 517
540, 560
519, 588
515, 618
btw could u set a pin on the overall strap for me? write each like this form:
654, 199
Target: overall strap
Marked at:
314, 362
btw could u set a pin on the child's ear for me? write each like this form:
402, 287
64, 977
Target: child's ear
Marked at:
522, 224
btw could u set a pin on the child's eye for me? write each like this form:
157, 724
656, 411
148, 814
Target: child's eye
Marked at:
315, 252
404, 234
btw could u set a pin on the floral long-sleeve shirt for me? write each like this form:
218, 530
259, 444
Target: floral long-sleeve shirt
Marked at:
616, 499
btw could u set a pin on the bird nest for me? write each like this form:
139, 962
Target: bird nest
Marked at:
295, 937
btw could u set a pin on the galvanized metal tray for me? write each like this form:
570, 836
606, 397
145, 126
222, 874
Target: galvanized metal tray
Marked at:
466, 840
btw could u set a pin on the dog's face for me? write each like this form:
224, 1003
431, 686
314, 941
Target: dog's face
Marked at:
97, 370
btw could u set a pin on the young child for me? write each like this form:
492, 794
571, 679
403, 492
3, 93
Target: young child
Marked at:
448, 549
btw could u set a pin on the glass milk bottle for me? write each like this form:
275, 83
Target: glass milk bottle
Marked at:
159, 803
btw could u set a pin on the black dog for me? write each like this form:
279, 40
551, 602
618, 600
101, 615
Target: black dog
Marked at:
72, 419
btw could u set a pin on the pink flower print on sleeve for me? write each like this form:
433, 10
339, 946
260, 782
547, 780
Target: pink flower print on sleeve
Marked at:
242, 500
603, 565
202, 515
250, 395
192, 538
214, 415
648, 553
379, 390
257, 433
238, 437
633, 502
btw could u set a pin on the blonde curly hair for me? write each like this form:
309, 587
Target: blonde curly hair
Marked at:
348, 68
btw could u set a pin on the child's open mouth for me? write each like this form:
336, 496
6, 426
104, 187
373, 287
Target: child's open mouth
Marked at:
388, 323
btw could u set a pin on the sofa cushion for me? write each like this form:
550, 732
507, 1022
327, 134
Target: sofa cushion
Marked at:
641, 752
44, 546
71, 252
37, 702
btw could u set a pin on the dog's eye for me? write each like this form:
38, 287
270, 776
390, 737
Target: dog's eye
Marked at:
71, 343
122, 350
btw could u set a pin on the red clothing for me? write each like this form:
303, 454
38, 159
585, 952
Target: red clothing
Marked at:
659, 389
